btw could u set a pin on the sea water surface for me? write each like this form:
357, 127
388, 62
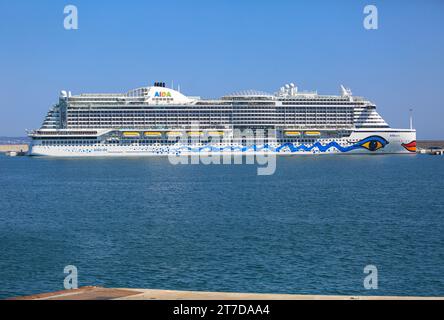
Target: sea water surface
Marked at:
310, 228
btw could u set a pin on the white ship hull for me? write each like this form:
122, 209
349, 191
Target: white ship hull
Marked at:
390, 141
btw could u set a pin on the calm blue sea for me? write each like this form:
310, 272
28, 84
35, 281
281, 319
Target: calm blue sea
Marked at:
310, 228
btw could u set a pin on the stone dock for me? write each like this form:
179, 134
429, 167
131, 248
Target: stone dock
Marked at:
4, 148
430, 147
99, 293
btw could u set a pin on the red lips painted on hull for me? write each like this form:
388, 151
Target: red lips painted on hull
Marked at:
411, 146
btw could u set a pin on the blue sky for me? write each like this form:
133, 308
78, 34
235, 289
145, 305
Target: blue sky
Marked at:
215, 47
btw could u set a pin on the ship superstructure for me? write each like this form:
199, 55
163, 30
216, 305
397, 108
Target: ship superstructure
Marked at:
157, 120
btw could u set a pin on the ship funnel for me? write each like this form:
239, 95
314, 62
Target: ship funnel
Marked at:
159, 84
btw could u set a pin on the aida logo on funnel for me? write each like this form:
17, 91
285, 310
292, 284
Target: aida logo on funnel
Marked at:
162, 94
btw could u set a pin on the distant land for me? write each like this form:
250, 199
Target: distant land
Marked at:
14, 140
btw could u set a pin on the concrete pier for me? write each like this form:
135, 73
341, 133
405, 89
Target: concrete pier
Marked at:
13, 148
99, 293
430, 147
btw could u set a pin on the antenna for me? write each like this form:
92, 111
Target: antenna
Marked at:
172, 84
411, 119
178, 87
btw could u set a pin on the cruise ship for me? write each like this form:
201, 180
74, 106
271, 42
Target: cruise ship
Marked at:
157, 120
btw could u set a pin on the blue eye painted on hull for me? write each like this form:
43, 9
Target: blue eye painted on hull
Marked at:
373, 143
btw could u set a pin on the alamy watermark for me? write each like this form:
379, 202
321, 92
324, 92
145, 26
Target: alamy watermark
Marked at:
71, 280
371, 19
71, 21
371, 280
195, 146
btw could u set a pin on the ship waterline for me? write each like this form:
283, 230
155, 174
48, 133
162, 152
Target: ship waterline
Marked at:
155, 121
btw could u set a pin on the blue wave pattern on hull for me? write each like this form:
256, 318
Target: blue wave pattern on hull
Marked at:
292, 147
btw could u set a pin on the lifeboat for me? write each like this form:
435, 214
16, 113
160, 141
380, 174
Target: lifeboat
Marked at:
312, 133
292, 133
215, 133
194, 133
174, 133
153, 134
132, 134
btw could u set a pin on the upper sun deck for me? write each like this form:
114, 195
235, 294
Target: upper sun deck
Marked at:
290, 94
159, 94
